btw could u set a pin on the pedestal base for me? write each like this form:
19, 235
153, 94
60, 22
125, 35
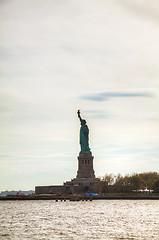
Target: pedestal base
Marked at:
85, 166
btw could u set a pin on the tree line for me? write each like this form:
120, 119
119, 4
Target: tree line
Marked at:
128, 183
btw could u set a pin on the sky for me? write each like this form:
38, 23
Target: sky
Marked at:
58, 56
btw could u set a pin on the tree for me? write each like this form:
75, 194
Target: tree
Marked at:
156, 186
127, 183
136, 182
107, 180
149, 178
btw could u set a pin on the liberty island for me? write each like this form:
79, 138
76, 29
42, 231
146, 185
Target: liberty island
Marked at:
85, 180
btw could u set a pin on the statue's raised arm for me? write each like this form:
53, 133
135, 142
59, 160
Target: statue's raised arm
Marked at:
84, 138
78, 112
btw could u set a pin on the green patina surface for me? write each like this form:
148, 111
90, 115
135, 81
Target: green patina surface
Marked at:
84, 136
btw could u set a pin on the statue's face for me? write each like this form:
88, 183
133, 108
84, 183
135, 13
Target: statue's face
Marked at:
83, 122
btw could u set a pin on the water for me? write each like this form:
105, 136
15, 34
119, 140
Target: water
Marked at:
101, 219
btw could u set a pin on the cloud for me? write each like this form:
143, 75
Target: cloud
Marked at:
97, 114
103, 96
144, 8
55, 52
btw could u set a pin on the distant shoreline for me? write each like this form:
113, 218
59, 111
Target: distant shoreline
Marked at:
77, 198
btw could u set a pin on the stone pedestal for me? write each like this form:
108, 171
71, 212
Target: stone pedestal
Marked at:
85, 166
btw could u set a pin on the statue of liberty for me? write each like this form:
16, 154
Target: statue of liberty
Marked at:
84, 135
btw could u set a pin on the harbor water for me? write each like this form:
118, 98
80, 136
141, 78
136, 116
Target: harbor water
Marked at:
98, 219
